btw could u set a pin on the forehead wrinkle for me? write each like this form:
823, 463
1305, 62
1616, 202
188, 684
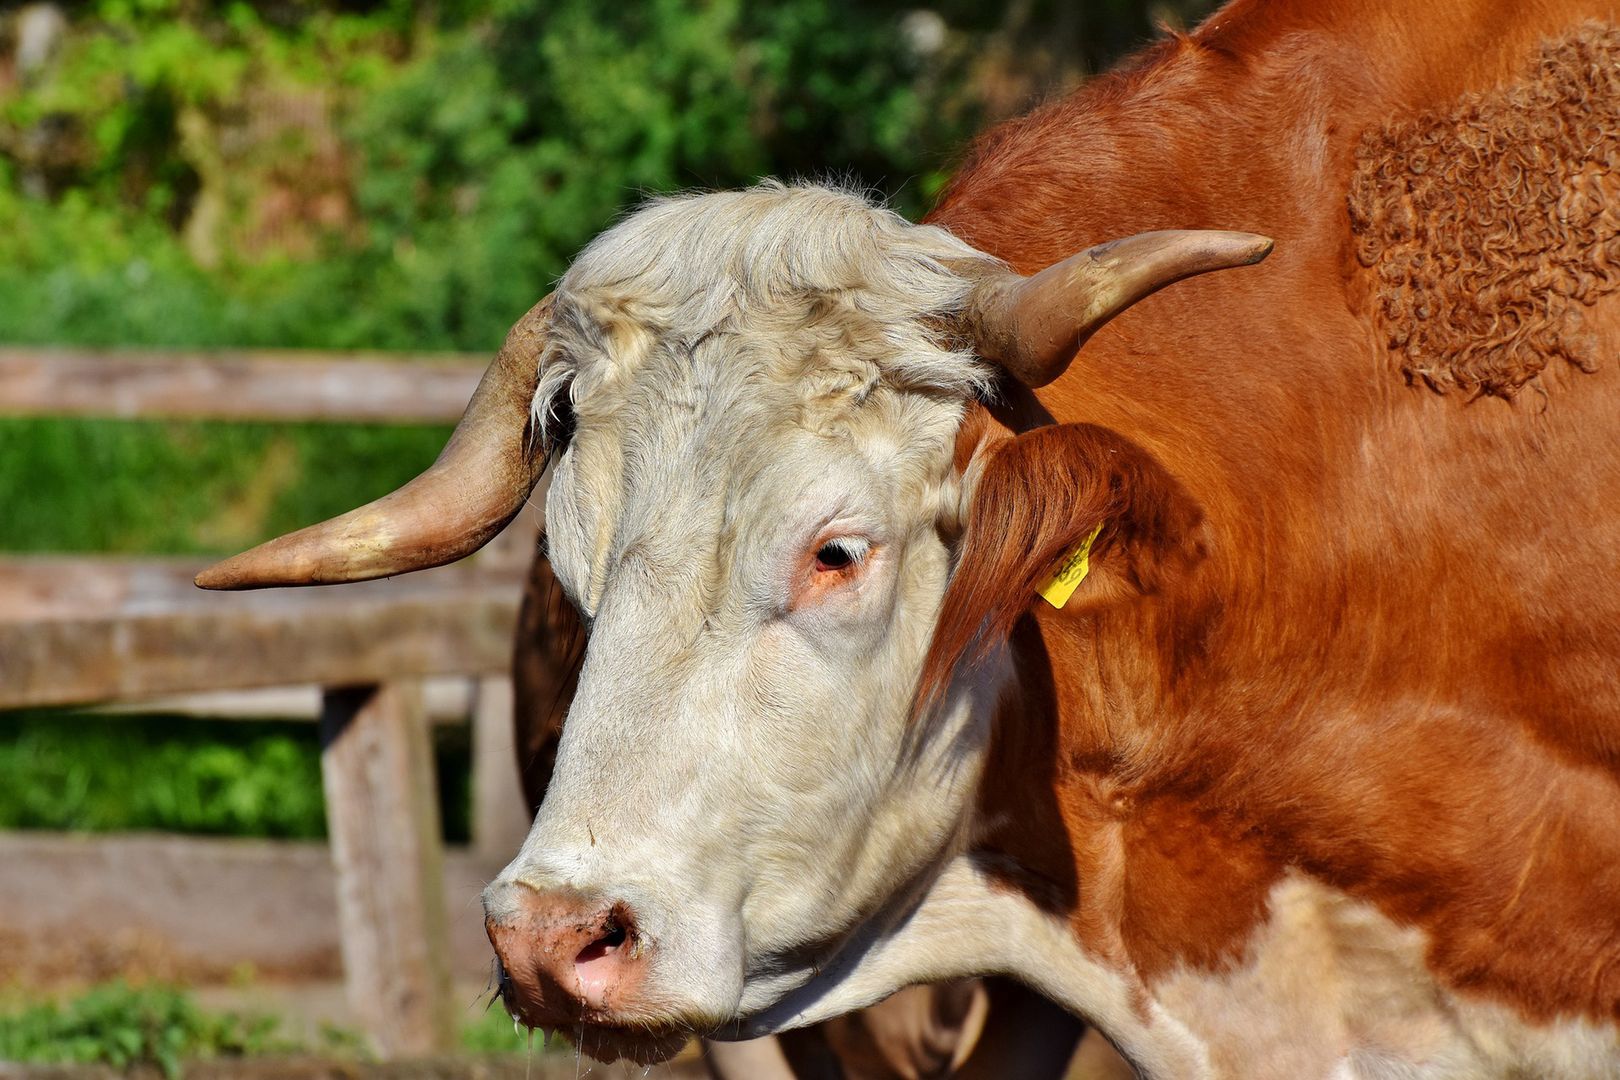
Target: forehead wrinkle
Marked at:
689, 427
679, 268
692, 415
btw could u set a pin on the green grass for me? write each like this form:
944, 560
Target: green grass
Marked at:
76, 771
91, 773
121, 1025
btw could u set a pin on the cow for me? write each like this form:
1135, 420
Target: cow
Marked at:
1233, 662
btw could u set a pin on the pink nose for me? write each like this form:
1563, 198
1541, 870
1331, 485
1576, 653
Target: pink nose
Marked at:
565, 958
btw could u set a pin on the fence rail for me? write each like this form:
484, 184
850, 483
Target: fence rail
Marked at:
84, 631
77, 631
243, 385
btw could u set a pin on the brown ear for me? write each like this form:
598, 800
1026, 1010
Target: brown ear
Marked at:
1036, 499
545, 673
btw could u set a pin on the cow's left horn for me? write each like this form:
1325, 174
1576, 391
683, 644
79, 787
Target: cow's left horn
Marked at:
1033, 326
478, 483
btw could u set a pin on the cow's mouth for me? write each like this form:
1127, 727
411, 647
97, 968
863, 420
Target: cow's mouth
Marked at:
649, 1044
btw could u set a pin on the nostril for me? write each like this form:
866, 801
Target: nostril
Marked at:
614, 935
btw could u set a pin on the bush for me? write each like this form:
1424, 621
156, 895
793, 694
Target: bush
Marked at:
123, 1026
100, 773
361, 176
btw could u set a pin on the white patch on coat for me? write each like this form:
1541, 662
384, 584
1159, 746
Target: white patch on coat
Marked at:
1331, 987
968, 923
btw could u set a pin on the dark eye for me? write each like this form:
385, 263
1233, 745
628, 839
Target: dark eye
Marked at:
840, 554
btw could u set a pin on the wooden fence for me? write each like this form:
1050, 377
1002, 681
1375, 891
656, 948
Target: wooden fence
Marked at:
84, 631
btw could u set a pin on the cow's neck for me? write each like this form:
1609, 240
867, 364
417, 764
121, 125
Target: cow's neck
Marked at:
1149, 871
1119, 809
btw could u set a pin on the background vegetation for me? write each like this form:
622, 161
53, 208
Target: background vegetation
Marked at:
163, 1026
94, 773
123, 1026
410, 175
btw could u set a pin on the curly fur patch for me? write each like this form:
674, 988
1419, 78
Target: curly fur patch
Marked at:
1487, 228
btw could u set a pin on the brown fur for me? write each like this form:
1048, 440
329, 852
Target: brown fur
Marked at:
1388, 660
1487, 227
1392, 665
1038, 496
546, 658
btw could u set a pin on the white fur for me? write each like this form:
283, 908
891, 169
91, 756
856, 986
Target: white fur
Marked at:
739, 767
1330, 987
966, 923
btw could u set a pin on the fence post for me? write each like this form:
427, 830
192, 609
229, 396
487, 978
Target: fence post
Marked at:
500, 817
383, 816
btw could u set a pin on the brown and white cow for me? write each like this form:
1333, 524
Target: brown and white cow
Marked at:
1317, 774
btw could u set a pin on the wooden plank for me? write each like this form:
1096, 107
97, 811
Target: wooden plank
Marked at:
75, 631
76, 909
383, 822
237, 385
500, 816
450, 701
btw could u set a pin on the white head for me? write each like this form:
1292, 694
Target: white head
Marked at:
752, 513
751, 404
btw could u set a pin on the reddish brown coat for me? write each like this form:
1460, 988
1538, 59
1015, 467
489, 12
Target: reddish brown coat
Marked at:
1339, 622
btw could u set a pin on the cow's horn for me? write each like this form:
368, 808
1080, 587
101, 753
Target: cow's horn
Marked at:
1033, 326
479, 482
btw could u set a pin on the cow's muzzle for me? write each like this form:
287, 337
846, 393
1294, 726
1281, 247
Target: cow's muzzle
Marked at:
566, 959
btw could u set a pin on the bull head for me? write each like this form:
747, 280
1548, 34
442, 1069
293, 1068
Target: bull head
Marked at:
750, 511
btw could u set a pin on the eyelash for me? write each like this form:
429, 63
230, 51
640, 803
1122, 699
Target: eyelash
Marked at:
841, 554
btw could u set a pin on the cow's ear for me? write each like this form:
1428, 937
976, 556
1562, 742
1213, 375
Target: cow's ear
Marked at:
1033, 502
976, 439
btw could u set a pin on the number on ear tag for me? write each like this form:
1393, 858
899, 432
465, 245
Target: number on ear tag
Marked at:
1069, 573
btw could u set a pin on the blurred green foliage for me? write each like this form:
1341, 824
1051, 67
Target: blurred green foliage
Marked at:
123, 1026
180, 488
93, 773
99, 773
399, 175
371, 175
489, 1030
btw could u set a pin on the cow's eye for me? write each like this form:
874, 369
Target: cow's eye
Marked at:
840, 554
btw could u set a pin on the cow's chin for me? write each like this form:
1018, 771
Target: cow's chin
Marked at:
609, 1044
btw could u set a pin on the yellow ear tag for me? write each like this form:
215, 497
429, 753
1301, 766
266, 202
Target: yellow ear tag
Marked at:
1069, 573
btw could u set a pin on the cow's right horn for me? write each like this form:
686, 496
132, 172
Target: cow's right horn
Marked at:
1033, 326
478, 483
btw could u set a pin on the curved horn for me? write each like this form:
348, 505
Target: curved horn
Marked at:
457, 505
1033, 326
